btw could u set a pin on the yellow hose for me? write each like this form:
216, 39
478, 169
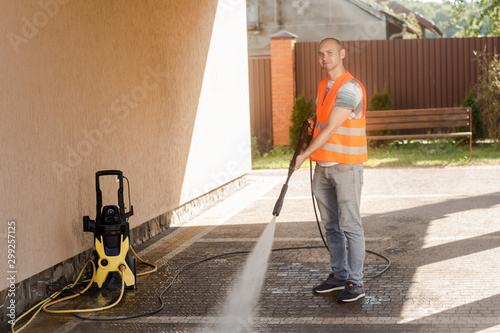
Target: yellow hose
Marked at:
44, 308
43, 303
144, 262
49, 301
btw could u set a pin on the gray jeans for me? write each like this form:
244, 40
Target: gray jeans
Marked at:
337, 190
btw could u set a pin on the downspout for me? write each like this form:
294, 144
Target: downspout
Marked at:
400, 34
279, 19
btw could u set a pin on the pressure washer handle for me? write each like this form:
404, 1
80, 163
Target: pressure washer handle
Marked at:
121, 203
298, 149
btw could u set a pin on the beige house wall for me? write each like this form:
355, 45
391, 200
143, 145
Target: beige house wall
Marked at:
155, 88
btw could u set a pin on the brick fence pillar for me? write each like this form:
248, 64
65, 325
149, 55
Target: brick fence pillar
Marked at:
282, 84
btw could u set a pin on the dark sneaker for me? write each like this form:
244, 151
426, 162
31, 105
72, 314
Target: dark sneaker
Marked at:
351, 293
331, 284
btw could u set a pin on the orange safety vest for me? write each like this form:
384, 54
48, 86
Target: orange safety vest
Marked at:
348, 144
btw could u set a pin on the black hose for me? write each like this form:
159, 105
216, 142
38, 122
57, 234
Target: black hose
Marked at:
276, 212
184, 267
314, 206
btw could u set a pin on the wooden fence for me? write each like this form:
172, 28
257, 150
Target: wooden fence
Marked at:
261, 122
417, 73
423, 73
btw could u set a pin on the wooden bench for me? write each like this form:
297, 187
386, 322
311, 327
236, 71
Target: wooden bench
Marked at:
429, 119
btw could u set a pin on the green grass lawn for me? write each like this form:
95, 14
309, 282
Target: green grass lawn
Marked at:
438, 153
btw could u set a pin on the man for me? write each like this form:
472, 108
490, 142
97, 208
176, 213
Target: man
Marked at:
339, 149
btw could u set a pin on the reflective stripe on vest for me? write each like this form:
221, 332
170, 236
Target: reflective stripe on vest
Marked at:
344, 130
348, 144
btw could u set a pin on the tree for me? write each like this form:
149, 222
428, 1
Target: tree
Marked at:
487, 91
408, 18
380, 102
303, 109
477, 121
437, 12
477, 18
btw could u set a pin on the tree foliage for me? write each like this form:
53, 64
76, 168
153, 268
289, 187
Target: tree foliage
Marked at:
487, 91
477, 121
380, 102
303, 109
437, 12
409, 18
476, 18
459, 18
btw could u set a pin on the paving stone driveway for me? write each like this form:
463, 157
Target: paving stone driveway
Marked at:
440, 227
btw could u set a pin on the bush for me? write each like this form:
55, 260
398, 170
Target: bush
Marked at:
477, 122
303, 109
487, 91
380, 102
253, 146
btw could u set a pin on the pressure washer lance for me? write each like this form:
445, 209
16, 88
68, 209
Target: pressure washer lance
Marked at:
302, 139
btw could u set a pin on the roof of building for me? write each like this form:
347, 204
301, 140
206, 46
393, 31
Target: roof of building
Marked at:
378, 11
422, 21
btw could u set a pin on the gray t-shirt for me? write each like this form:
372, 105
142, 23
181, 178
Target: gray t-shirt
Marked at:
350, 96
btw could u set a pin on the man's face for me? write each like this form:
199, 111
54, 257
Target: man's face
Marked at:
330, 54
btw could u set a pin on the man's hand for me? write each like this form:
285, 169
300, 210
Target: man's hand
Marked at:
336, 118
312, 123
299, 160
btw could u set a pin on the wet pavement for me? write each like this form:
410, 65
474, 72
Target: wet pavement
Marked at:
440, 227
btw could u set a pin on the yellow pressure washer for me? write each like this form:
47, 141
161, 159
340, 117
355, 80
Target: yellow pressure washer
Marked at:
112, 239
116, 267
